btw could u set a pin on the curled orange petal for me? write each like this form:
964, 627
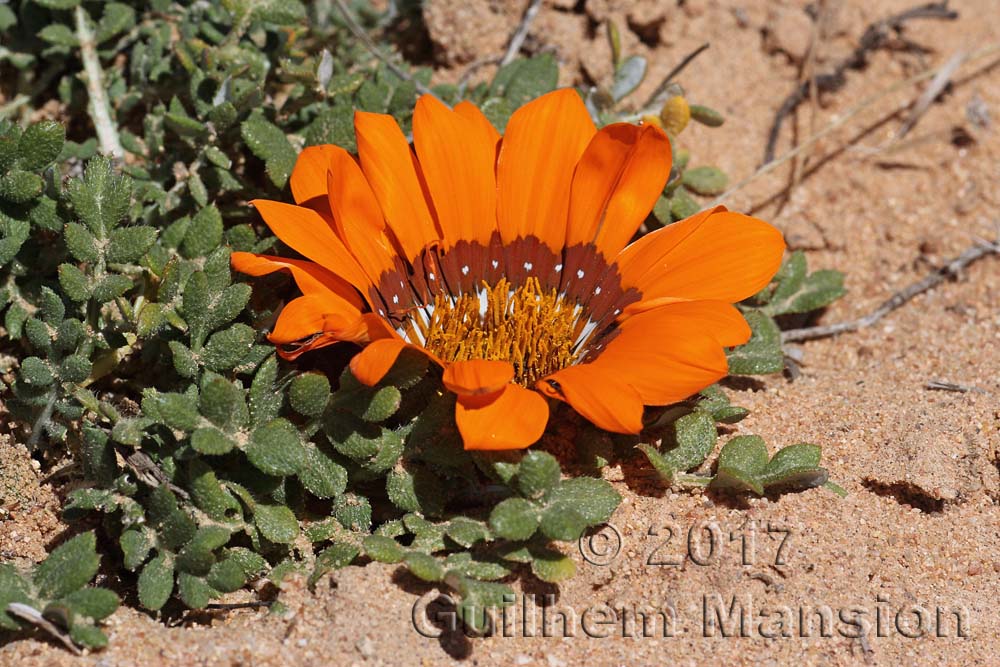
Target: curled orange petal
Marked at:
514, 418
477, 377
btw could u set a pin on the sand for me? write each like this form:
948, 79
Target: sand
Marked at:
905, 570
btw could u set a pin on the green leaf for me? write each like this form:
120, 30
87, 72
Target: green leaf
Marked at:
682, 205
762, 353
13, 588
211, 442
467, 532
524, 79
74, 283
58, 34
156, 582
265, 402
111, 287
476, 567
36, 372
705, 180
309, 393
129, 244
41, 143
95, 603
277, 523
795, 465
136, 543
185, 362
514, 519
204, 233
694, 436
88, 636
551, 566
383, 549
798, 293
706, 115
69, 567
276, 449
116, 19
742, 461
594, 499
20, 186
321, 475
226, 576
538, 473
269, 143
194, 591
225, 349
628, 76
100, 199
424, 566
561, 521
222, 403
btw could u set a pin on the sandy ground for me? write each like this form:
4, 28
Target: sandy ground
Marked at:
905, 570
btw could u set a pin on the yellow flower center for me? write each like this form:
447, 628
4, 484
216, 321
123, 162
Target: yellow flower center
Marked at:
534, 330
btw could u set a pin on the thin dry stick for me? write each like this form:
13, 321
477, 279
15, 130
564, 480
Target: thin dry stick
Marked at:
359, 32
517, 39
949, 270
934, 88
984, 52
33, 616
674, 72
100, 108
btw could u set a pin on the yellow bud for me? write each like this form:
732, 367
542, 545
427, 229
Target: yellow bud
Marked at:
675, 115
650, 119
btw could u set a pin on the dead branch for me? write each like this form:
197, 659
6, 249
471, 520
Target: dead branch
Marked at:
949, 270
517, 39
875, 37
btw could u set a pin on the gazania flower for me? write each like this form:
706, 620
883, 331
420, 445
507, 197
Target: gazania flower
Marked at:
504, 259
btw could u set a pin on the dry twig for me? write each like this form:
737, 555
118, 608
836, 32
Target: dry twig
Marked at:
874, 37
363, 37
985, 52
949, 270
99, 108
517, 39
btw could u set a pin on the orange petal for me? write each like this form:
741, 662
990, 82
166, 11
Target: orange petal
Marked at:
309, 175
599, 394
616, 184
310, 277
541, 146
390, 168
310, 315
477, 376
303, 230
357, 216
672, 352
714, 254
472, 112
457, 158
372, 363
514, 419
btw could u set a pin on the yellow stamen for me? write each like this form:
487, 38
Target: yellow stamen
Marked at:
533, 330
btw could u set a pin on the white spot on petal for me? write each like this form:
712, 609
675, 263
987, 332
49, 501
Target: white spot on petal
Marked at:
395, 298
579, 273
527, 266
558, 268
465, 270
430, 276
597, 290
495, 263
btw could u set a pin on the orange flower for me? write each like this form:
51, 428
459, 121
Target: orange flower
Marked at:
504, 260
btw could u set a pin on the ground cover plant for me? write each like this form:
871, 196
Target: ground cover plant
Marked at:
200, 459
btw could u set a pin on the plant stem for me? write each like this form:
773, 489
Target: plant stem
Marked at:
99, 108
